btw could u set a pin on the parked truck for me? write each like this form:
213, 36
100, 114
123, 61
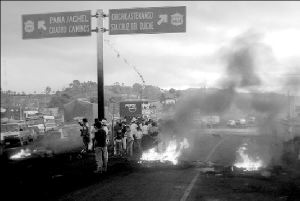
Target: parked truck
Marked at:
138, 108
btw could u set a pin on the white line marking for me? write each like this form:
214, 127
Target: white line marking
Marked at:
214, 149
189, 188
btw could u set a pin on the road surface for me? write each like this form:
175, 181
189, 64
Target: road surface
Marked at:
69, 177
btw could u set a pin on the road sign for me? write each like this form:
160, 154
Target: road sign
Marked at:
147, 20
62, 24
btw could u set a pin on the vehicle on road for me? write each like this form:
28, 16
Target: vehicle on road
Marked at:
16, 134
211, 121
36, 123
241, 123
231, 123
50, 124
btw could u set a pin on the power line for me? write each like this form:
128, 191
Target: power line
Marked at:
125, 60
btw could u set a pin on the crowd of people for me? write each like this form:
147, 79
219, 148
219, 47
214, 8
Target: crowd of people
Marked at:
129, 138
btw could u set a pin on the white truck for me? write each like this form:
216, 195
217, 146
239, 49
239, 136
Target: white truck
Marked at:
211, 121
49, 123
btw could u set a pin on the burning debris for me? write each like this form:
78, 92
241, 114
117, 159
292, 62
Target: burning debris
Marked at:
28, 153
247, 162
21, 154
171, 153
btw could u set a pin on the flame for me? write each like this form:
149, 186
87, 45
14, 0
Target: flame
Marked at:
22, 154
246, 162
171, 154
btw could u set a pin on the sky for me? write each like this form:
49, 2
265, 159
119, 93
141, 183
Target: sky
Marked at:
170, 60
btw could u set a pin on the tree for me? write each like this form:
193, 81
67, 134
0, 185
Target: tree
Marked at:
172, 91
59, 101
162, 98
48, 90
75, 84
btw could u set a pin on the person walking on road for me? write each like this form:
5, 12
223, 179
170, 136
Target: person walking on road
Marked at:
101, 154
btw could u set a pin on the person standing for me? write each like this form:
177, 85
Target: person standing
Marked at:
138, 140
145, 128
124, 136
93, 130
133, 126
85, 134
129, 139
101, 154
105, 128
118, 142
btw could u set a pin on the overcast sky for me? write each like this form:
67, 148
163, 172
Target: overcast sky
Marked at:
178, 60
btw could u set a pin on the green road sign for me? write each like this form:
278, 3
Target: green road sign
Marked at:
62, 24
151, 20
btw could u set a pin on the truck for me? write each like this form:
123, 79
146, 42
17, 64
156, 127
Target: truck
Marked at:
50, 123
42, 123
211, 121
37, 123
131, 108
16, 134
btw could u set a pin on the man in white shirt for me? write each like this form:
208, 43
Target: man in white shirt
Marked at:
145, 128
133, 126
105, 128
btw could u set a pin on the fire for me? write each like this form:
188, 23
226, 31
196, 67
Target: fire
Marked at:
172, 152
246, 162
22, 154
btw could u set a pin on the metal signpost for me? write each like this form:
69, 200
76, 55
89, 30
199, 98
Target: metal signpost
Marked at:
121, 21
147, 20
101, 110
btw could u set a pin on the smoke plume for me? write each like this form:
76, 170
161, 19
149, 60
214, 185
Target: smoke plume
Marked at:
242, 61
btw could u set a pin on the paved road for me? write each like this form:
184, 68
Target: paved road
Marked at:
165, 184
176, 183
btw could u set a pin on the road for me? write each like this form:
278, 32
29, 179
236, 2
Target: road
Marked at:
68, 178
189, 183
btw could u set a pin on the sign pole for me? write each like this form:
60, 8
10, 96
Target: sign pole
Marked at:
100, 64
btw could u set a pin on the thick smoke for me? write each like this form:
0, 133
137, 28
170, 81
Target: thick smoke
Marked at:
292, 82
56, 144
242, 61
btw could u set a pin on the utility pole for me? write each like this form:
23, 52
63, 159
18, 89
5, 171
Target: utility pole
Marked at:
100, 16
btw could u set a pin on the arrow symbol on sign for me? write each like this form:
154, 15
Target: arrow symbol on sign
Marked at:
163, 19
41, 25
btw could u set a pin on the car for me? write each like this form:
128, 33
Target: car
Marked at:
231, 123
241, 122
